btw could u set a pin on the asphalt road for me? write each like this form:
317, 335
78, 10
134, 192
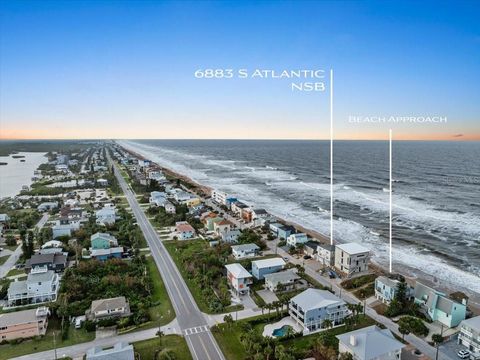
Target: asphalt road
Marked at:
190, 319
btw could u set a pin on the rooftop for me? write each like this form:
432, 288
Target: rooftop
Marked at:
353, 248
22, 317
108, 304
238, 271
269, 262
315, 299
370, 342
282, 276
245, 247
473, 323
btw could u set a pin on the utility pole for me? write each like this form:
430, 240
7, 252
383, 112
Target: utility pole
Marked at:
55, 345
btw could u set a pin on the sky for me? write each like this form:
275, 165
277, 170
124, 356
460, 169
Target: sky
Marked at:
121, 69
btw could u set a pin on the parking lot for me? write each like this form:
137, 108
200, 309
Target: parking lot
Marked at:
450, 348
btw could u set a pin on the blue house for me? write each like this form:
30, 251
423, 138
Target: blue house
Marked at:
386, 289
102, 241
439, 307
105, 254
260, 268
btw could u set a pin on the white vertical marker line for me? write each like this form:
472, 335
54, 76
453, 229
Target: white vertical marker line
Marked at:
331, 156
390, 196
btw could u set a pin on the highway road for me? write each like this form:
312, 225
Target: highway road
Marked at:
191, 320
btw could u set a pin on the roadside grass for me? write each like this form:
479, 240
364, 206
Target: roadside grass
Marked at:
3, 259
14, 272
163, 312
26, 347
146, 349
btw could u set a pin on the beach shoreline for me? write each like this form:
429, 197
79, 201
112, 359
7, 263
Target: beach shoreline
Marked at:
375, 266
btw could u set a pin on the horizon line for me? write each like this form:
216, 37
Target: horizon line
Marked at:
242, 139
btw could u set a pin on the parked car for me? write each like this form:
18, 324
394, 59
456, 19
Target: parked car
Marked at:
463, 354
306, 257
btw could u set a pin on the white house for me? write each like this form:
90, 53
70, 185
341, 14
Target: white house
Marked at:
386, 289
158, 198
184, 230
169, 207
370, 343
230, 236
326, 254
238, 278
106, 216
219, 197
41, 286
46, 206
312, 307
352, 258
102, 182
245, 251
469, 335
297, 239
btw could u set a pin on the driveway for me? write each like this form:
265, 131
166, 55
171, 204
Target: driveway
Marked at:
267, 296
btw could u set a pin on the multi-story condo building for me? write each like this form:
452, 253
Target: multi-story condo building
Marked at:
312, 307
469, 335
352, 259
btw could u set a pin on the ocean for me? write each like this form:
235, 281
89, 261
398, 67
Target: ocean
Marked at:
436, 197
17, 173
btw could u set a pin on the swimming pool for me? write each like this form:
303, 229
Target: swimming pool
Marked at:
281, 331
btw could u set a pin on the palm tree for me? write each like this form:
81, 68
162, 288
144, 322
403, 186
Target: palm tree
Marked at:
160, 335
404, 331
327, 323
267, 351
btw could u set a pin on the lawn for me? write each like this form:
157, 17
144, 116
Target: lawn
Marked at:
174, 343
8, 351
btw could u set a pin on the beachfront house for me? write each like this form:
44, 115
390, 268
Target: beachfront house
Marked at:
24, 324
386, 289
108, 308
297, 239
326, 254
310, 248
238, 278
238, 207
101, 240
219, 197
41, 286
469, 335
370, 343
244, 251
312, 307
184, 230
281, 231
281, 281
352, 259
210, 222
260, 268
438, 307
119, 351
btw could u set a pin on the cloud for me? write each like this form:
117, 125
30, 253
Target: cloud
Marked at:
458, 135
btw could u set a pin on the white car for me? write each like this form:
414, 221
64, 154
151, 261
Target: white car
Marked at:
463, 354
